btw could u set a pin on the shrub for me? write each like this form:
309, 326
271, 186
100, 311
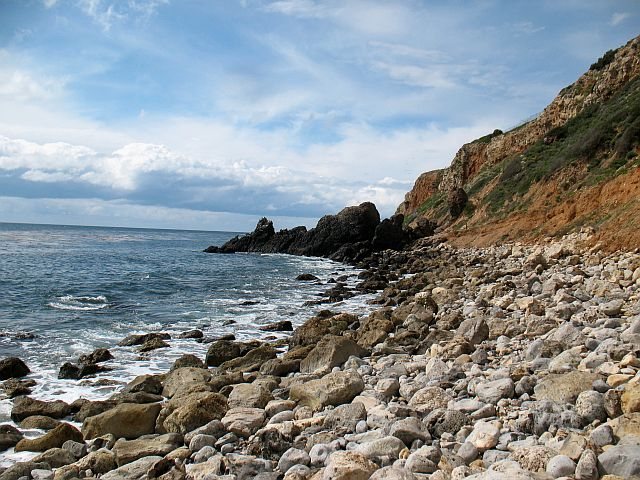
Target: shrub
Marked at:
604, 60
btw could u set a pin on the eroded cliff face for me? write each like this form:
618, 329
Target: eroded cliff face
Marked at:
426, 185
595, 86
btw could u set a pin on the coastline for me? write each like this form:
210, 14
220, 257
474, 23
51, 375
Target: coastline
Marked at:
513, 361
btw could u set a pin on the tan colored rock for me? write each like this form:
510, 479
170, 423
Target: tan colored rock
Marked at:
430, 398
244, 421
618, 379
128, 451
100, 461
181, 377
331, 351
631, 398
564, 387
332, 389
344, 465
52, 439
624, 425
195, 410
127, 420
249, 395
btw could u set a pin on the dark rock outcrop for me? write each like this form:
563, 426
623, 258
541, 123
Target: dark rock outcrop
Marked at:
13, 367
350, 235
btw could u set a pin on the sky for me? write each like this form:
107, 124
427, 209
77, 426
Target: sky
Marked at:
211, 114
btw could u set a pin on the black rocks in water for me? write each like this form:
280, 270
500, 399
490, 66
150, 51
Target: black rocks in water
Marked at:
348, 236
13, 367
282, 326
306, 277
133, 340
97, 356
76, 372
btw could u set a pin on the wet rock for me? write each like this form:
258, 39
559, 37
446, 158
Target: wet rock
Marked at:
188, 360
14, 387
316, 328
40, 422
99, 355
222, 351
184, 379
144, 383
24, 407
191, 334
9, 436
133, 340
127, 420
22, 470
13, 367
252, 361
153, 344
281, 326
53, 439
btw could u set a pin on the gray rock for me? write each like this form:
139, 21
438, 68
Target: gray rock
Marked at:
484, 436
561, 466
587, 468
201, 440
333, 389
565, 387
474, 330
77, 449
132, 471
345, 416
424, 460
331, 351
621, 460
392, 473
41, 474
468, 452
492, 392
128, 451
601, 436
204, 454
319, 454
291, 457
590, 406
408, 430
383, 451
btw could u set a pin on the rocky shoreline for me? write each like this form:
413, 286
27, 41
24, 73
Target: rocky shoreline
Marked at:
509, 362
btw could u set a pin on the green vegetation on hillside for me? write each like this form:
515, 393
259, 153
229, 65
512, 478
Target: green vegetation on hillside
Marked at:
604, 60
603, 137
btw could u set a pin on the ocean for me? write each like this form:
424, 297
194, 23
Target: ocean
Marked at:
66, 290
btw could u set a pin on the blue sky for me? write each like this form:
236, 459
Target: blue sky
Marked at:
211, 114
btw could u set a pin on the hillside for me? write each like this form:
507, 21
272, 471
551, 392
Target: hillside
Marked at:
575, 165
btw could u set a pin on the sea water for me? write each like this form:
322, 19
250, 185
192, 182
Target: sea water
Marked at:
67, 290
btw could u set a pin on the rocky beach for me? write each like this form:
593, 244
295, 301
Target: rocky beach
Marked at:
507, 362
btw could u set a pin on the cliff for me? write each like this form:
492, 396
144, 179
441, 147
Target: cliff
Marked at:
584, 140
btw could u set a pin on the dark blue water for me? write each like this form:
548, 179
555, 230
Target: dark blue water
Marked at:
79, 288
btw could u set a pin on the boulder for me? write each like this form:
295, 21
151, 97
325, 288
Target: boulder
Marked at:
99, 461
195, 410
13, 367
144, 383
389, 234
345, 417
132, 471
24, 407
133, 340
188, 360
14, 387
9, 436
40, 422
484, 436
316, 328
153, 344
474, 330
128, 451
127, 420
55, 457
99, 355
252, 361
348, 466
332, 389
182, 378
22, 470
75, 372
565, 387
244, 421
331, 351
621, 460
221, 351
493, 391
249, 395
281, 326
53, 439
383, 451
428, 399
630, 399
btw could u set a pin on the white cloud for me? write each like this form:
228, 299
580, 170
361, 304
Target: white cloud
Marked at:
618, 17
298, 8
107, 13
49, 3
19, 85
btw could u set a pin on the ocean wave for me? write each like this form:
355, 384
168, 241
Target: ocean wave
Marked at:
81, 303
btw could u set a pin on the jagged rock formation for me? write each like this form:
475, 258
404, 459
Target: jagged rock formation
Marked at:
347, 236
486, 165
